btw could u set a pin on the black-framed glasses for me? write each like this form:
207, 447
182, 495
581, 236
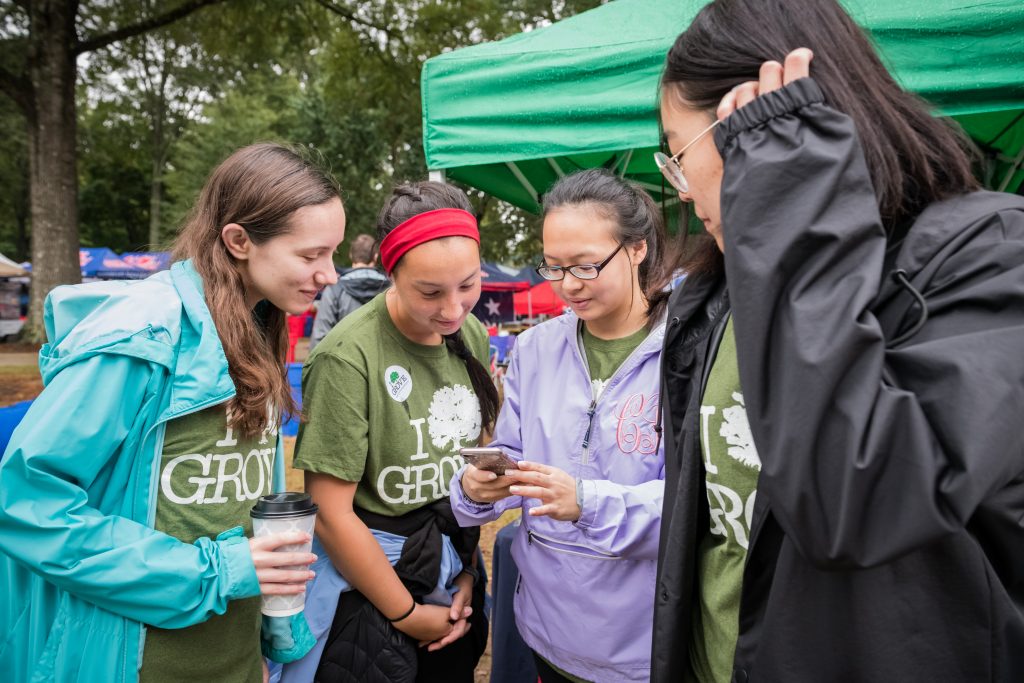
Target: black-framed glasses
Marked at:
671, 166
582, 271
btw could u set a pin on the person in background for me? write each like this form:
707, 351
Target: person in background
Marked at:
23, 300
125, 491
580, 417
843, 370
353, 289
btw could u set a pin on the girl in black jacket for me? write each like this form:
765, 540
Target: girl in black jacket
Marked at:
844, 371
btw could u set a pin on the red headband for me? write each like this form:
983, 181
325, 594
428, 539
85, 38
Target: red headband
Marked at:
424, 227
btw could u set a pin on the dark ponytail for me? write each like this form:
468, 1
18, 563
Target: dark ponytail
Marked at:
409, 200
637, 219
478, 376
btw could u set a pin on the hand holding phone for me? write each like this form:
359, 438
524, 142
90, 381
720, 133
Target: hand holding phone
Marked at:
488, 459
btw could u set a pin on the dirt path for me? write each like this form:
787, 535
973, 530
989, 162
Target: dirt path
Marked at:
19, 373
19, 358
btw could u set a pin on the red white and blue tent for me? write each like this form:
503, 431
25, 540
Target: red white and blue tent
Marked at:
103, 263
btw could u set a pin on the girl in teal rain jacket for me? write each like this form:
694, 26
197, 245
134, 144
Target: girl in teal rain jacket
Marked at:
125, 491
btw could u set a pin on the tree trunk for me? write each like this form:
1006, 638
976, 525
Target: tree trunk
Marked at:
21, 212
158, 113
53, 194
156, 192
21, 244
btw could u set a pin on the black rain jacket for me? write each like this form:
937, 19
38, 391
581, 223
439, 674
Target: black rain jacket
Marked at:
364, 646
884, 385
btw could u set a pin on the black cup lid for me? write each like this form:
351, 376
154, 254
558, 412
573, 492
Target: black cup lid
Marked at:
289, 504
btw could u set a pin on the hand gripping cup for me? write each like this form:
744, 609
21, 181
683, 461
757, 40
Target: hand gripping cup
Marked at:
275, 514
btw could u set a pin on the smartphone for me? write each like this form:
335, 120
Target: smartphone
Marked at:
490, 459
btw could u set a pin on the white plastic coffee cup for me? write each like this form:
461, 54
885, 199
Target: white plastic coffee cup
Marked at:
278, 513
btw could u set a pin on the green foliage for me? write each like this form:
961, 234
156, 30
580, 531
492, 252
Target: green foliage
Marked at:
14, 209
338, 77
158, 84
265, 109
113, 178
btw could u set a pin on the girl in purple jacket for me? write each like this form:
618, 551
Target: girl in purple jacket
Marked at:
580, 417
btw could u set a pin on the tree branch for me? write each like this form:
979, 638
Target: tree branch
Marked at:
351, 16
180, 12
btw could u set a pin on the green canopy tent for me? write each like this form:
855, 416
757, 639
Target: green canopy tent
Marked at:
510, 117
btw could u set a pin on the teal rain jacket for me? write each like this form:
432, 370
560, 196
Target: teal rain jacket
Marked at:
81, 567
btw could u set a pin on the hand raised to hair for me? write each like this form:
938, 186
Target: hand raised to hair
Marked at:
771, 77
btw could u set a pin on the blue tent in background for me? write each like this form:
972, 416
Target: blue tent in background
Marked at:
528, 274
496, 278
101, 262
150, 261
498, 283
495, 307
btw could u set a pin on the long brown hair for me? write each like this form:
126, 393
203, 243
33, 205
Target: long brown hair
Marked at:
258, 187
914, 158
412, 199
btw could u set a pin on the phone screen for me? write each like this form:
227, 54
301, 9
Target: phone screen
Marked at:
489, 459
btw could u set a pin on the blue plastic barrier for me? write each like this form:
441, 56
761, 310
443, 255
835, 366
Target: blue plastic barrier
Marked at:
291, 427
9, 419
500, 347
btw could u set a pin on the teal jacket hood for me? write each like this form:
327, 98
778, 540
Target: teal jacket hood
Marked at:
80, 563
163, 320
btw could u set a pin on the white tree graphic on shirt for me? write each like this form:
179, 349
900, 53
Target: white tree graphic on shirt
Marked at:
454, 417
736, 432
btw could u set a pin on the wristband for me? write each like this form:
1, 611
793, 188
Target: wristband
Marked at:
411, 610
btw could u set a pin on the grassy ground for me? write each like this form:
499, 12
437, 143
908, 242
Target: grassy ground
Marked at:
19, 383
19, 373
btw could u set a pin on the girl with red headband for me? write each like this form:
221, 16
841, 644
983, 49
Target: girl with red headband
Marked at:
391, 394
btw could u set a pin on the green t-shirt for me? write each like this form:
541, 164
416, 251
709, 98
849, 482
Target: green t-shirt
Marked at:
386, 412
604, 356
731, 468
210, 477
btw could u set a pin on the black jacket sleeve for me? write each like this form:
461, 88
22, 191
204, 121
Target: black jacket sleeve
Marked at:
867, 453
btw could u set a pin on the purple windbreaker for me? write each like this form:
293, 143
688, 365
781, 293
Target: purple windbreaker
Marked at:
585, 598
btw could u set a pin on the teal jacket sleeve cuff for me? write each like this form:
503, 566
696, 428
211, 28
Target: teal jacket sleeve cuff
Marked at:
240, 570
286, 639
